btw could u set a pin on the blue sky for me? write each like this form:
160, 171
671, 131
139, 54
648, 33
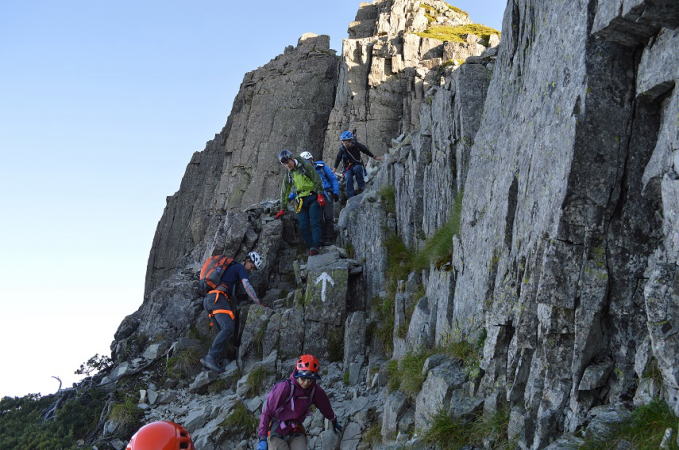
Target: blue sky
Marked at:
101, 106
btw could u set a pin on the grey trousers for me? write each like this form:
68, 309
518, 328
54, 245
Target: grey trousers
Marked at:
295, 443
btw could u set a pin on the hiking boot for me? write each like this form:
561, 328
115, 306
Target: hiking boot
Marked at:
313, 251
209, 363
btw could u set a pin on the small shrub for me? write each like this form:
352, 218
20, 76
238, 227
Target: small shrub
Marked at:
126, 413
240, 420
95, 364
345, 377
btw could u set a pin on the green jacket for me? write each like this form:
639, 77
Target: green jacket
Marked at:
303, 178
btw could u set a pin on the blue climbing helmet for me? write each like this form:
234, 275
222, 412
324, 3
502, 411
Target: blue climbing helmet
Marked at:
346, 136
284, 156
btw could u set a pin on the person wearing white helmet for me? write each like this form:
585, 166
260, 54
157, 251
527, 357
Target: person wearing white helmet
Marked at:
220, 303
332, 190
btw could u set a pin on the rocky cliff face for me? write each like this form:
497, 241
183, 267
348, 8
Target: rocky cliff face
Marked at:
387, 67
283, 104
515, 254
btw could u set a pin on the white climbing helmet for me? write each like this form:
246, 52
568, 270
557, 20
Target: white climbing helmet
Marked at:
306, 155
256, 259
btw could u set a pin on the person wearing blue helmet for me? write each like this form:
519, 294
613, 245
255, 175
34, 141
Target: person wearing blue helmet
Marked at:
332, 191
350, 155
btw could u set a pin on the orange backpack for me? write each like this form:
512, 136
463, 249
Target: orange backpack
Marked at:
212, 271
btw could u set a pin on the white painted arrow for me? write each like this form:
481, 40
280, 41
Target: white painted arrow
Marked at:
325, 278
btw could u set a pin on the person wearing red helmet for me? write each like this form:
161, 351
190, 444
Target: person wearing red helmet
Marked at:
161, 435
288, 404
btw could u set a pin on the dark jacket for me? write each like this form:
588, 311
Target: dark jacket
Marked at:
351, 156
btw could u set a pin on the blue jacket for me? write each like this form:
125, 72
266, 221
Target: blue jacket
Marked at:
327, 177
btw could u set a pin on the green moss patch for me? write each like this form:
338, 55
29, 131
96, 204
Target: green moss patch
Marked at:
458, 33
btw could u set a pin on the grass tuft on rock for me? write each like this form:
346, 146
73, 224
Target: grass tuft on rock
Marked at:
468, 352
373, 435
388, 197
381, 331
255, 380
446, 432
405, 374
644, 430
184, 364
438, 249
457, 10
240, 420
126, 413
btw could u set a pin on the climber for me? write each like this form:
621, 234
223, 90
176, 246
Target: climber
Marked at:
161, 435
288, 404
220, 305
332, 191
350, 154
307, 184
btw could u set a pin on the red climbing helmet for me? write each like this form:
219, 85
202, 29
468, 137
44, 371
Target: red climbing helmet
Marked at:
162, 435
307, 367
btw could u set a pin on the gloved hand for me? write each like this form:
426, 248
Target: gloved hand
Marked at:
292, 196
279, 214
336, 426
335, 197
320, 198
263, 445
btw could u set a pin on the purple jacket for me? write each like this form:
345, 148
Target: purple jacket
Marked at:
281, 407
